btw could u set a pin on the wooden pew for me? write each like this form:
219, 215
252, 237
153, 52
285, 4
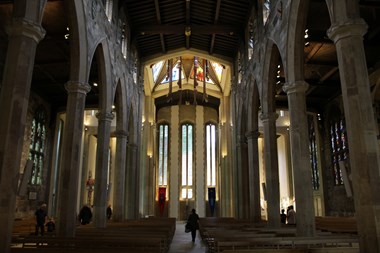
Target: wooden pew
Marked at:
336, 224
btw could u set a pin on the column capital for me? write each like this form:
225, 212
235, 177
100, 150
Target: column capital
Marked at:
350, 28
269, 116
295, 87
77, 87
121, 134
105, 116
252, 135
26, 28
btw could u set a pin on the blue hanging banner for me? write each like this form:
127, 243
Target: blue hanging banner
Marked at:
211, 199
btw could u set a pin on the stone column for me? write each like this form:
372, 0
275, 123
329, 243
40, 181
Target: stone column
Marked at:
101, 171
361, 129
71, 160
131, 178
254, 176
119, 176
300, 155
271, 169
242, 178
23, 39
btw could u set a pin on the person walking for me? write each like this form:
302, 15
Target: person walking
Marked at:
192, 223
41, 215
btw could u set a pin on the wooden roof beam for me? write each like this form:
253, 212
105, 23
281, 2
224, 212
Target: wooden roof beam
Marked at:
158, 17
217, 10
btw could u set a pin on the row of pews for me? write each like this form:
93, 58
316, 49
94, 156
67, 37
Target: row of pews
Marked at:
150, 235
229, 235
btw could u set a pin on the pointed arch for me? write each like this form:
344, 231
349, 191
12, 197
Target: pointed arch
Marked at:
78, 41
294, 64
273, 58
103, 61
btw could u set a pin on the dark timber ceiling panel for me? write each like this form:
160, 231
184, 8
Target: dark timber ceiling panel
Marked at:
213, 26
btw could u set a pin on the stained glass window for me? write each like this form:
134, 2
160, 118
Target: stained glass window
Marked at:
211, 154
339, 147
187, 161
313, 153
37, 145
163, 143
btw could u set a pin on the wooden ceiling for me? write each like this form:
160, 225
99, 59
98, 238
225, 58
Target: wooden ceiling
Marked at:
213, 26
216, 27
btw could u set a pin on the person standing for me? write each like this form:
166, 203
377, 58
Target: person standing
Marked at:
192, 223
85, 215
291, 216
283, 216
109, 212
41, 215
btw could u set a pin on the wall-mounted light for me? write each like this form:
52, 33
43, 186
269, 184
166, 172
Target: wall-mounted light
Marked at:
95, 84
67, 35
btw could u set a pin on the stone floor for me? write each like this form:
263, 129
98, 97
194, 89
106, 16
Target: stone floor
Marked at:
182, 241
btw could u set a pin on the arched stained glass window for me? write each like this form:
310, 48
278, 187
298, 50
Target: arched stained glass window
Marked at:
313, 153
37, 145
187, 161
339, 147
163, 143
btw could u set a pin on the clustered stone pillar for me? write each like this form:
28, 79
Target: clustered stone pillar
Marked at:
254, 176
101, 172
271, 169
23, 39
300, 154
120, 165
71, 160
361, 129
132, 182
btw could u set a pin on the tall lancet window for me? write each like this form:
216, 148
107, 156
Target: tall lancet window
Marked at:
109, 6
339, 147
37, 145
124, 41
163, 143
313, 153
211, 154
187, 161
266, 10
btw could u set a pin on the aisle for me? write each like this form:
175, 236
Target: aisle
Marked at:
182, 241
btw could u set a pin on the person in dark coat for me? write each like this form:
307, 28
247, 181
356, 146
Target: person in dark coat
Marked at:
85, 215
109, 212
41, 215
192, 224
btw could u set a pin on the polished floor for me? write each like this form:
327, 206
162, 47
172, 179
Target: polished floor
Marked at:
182, 241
